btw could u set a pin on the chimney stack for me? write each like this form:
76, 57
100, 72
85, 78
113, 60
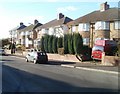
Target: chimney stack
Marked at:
21, 23
36, 21
104, 6
59, 16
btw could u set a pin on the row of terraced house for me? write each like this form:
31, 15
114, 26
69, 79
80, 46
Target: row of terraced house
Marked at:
99, 24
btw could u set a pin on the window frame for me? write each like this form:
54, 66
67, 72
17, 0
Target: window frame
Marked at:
74, 28
103, 25
85, 41
117, 25
84, 27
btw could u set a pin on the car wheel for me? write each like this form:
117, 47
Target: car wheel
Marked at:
34, 61
26, 60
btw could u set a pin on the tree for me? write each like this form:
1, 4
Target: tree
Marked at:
4, 42
50, 39
42, 44
77, 43
70, 44
60, 42
46, 37
65, 44
54, 44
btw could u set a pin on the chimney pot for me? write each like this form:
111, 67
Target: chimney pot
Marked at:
21, 23
36, 21
104, 6
60, 15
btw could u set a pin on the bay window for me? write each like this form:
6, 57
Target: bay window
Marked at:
102, 25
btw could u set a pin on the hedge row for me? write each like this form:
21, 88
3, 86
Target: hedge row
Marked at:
70, 43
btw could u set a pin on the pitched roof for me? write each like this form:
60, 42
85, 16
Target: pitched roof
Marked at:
18, 28
14, 28
107, 15
30, 27
21, 27
56, 22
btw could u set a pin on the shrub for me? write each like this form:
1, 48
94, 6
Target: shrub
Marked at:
42, 44
65, 44
77, 43
54, 44
60, 42
50, 39
70, 44
86, 50
46, 37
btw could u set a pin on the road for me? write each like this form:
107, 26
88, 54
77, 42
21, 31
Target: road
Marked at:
20, 76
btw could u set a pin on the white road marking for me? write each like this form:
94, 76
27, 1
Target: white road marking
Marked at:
91, 69
67, 66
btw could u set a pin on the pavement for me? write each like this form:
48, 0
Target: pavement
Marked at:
86, 65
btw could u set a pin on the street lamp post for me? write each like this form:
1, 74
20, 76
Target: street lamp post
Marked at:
11, 35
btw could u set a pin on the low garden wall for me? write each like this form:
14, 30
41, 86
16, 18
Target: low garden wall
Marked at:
110, 60
67, 57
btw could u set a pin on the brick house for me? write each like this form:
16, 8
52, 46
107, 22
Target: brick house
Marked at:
56, 27
103, 23
28, 35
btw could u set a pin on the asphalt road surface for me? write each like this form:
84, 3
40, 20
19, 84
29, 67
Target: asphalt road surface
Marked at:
20, 76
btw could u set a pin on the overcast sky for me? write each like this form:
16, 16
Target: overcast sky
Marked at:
13, 12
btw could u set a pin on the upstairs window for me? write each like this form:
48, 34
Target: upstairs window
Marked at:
117, 24
43, 31
102, 25
22, 33
73, 28
84, 27
51, 31
27, 33
46, 31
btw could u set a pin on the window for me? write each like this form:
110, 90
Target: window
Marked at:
85, 41
117, 24
102, 25
51, 31
46, 31
84, 27
73, 28
27, 33
43, 31
22, 33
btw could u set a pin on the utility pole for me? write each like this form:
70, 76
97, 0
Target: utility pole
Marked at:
11, 35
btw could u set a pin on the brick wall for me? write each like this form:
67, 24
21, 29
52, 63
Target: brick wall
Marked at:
102, 34
85, 34
111, 60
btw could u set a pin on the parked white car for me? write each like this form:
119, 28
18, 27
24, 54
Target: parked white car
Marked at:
36, 56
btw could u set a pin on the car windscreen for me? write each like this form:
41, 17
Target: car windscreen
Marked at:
98, 48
